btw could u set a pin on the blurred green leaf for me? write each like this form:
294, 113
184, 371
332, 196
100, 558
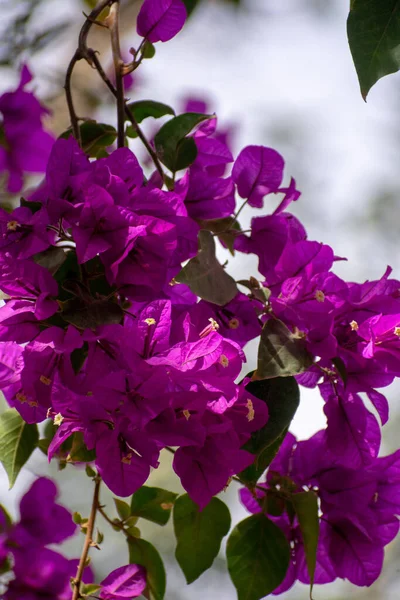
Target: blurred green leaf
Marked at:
123, 509
199, 534
153, 504
143, 553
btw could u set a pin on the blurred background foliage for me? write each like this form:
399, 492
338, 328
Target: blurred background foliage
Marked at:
279, 74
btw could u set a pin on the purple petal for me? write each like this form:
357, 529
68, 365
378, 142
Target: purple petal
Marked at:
257, 171
161, 20
125, 582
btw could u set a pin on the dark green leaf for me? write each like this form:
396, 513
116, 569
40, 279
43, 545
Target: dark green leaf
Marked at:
149, 50
185, 154
263, 459
34, 207
190, 5
89, 316
153, 504
341, 368
142, 109
131, 132
306, 508
226, 228
199, 534
172, 148
17, 442
6, 515
123, 509
373, 29
79, 452
281, 353
258, 556
205, 275
282, 397
144, 553
95, 137
51, 259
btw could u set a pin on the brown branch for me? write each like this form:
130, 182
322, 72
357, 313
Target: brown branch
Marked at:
81, 53
128, 112
113, 25
88, 541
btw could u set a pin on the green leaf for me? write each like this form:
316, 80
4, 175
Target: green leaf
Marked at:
306, 508
281, 353
143, 553
282, 397
91, 315
88, 589
6, 515
258, 555
205, 275
227, 229
199, 534
17, 442
373, 29
173, 149
142, 109
52, 259
153, 504
79, 452
123, 509
149, 50
95, 137
190, 6
263, 459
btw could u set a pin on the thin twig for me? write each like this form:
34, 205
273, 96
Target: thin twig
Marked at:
81, 53
88, 541
128, 112
113, 25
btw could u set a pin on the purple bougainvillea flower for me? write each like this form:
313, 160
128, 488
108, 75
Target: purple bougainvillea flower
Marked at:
42, 520
161, 20
26, 279
257, 172
124, 582
209, 197
291, 195
22, 233
27, 146
353, 432
237, 320
11, 363
40, 574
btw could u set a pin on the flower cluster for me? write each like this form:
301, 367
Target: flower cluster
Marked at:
358, 510
110, 348
36, 572
24, 144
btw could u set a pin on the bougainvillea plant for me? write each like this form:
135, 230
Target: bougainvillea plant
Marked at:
122, 332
